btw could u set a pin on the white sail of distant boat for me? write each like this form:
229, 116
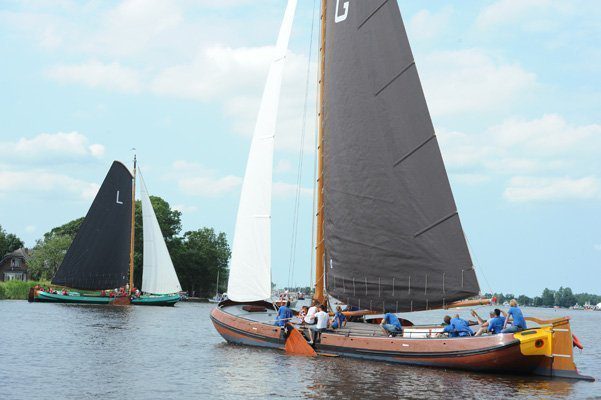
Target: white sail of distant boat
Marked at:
158, 275
250, 267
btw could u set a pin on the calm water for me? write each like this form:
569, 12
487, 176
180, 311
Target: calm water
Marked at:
80, 352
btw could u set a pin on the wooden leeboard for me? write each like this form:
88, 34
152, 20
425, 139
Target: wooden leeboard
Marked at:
297, 345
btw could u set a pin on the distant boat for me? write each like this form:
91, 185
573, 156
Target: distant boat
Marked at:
388, 234
218, 298
99, 262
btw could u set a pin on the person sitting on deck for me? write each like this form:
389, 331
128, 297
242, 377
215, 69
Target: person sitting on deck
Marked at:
302, 314
391, 325
456, 327
310, 318
493, 326
284, 315
518, 323
339, 319
323, 320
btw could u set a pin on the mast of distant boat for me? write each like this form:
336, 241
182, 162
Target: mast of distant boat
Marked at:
133, 229
319, 239
217, 286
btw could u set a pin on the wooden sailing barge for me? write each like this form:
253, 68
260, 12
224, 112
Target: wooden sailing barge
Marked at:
389, 238
101, 255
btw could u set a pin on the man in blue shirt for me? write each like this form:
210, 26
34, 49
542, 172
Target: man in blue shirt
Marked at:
339, 319
518, 323
284, 315
493, 326
391, 325
456, 327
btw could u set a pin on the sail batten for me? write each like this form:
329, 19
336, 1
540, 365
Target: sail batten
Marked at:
158, 272
98, 257
393, 237
250, 266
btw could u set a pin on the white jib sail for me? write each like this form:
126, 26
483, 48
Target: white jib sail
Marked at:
250, 267
158, 276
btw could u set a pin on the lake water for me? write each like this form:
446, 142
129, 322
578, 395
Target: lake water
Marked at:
52, 351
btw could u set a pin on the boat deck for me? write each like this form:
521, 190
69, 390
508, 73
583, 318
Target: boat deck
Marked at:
351, 329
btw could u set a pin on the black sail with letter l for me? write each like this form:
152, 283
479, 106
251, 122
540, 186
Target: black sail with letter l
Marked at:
99, 255
393, 239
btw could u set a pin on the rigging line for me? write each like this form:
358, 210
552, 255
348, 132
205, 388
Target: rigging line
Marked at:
480, 268
301, 156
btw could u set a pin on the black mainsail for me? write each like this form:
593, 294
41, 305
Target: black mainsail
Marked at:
99, 255
393, 239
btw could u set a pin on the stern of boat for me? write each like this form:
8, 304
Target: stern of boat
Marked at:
554, 340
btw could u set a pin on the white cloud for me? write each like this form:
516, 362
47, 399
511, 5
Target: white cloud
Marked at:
94, 74
546, 158
469, 81
461, 150
523, 147
533, 15
42, 183
30, 228
53, 148
135, 25
216, 73
549, 135
597, 247
425, 25
526, 189
470, 178
195, 179
283, 189
235, 77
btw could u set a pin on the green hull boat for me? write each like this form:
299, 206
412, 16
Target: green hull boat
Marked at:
45, 297
77, 298
156, 300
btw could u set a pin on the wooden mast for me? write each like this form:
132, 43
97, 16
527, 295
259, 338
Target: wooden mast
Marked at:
319, 240
133, 229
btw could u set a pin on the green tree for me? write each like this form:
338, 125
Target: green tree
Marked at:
548, 298
170, 223
8, 242
564, 297
69, 229
524, 300
197, 257
47, 256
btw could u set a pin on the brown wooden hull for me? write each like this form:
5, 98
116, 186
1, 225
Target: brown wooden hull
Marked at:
496, 354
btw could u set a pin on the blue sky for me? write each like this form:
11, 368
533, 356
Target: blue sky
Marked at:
514, 88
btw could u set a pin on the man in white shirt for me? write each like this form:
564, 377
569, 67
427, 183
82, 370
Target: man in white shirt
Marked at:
310, 318
323, 321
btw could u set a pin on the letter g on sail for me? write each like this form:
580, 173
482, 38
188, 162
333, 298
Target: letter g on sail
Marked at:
339, 18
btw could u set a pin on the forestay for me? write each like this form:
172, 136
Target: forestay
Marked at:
158, 276
250, 267
393, 237
98, 258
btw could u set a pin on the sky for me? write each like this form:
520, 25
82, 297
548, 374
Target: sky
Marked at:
513, 86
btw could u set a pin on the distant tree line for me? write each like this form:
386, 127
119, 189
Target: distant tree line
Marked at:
197, 255
563, 297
